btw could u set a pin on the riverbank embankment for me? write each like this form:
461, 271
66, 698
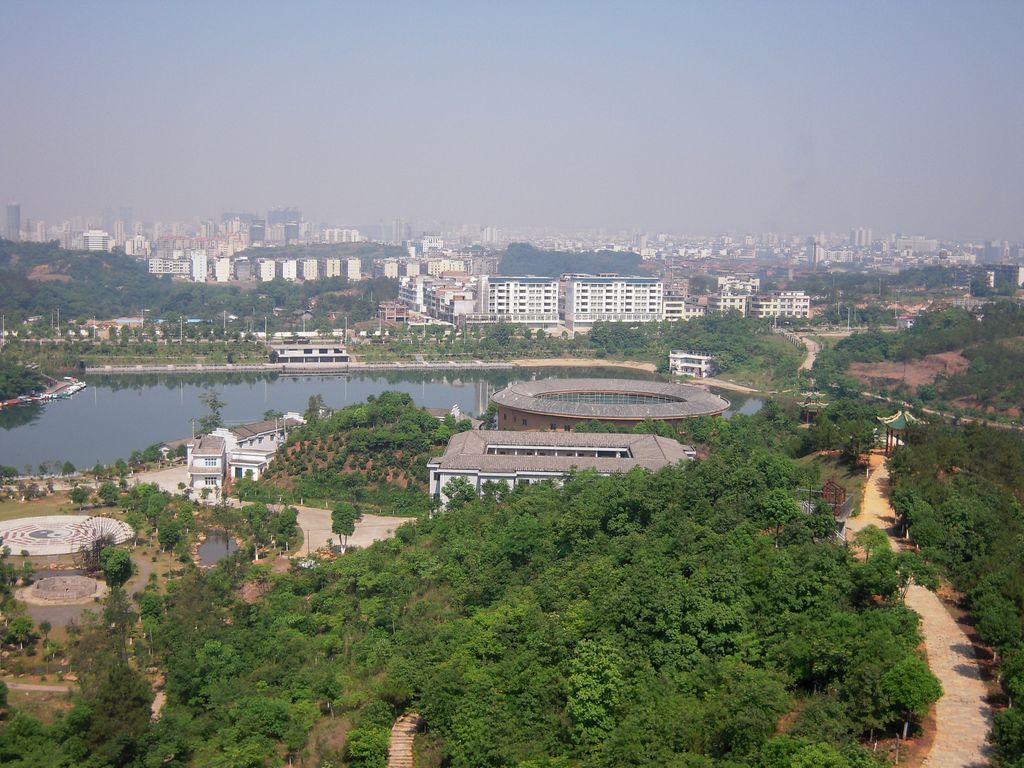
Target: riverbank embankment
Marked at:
303, 369
426, 365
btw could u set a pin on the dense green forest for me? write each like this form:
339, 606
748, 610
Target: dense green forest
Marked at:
373, 455
17, 380
694, 617
525, 259
39, 278
990, 342
958, 494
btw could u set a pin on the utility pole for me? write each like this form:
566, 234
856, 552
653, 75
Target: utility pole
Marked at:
181, 329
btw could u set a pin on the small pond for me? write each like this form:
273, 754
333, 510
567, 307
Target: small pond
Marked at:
217, 546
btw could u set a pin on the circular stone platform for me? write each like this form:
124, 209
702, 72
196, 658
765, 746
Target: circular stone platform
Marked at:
64, 588
59, 534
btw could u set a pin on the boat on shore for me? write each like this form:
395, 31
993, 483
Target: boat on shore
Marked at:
60, 390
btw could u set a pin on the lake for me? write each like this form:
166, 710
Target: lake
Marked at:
118, 414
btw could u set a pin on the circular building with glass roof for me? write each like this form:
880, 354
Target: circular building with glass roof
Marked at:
560, 404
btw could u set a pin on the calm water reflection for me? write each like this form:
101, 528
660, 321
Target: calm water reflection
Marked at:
116, 415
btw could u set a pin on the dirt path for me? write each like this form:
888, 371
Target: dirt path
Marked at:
582, 362
813, 348
39, 687
400, 746
962, 716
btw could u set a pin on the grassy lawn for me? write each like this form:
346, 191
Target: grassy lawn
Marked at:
832, 469
51, 505
44, 705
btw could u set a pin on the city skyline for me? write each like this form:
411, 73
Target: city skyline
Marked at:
729, 118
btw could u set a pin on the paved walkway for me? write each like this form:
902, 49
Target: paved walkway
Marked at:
316, 528
962, 715
165, 479
400, 746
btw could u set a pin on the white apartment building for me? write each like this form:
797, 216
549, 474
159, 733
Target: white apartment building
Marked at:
411, 268
222, 270
430, 243
737, 284
611, 298
412, 293
436, 267
526, 300
338, 235
170, 267
290, 269
310, 269
729, 302
388, 268
353, 270
136, 246
332, 268
267, 270
96, 240
690, 364
781, 304
676, 308
199, 265
450, 303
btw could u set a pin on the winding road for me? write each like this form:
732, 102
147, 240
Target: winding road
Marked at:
962, 715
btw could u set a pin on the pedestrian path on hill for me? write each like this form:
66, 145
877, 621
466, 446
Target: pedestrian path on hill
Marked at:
403, 732
962, 716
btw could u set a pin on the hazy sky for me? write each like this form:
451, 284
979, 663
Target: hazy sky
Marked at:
687, 117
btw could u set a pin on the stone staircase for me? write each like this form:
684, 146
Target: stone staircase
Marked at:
400, 746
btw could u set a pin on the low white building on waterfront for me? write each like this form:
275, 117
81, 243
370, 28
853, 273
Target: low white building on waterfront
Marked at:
233, 453
690, 364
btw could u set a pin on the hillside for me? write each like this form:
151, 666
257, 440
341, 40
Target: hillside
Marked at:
373, 454
524, 259
39, 278
950, 358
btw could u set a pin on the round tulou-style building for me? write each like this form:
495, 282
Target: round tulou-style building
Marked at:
561, 404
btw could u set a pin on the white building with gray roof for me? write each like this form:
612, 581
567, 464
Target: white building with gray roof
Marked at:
520, 458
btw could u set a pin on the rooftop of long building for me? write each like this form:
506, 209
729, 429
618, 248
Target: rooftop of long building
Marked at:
513, 451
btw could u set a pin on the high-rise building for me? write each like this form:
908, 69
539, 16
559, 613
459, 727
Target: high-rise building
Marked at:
96, 240
529, 300
611, 298
290, 270
199, 266
222, 270
268, 270
119, 233
815, 252
257, 231
333, 268
860, 237
283, 216
353, 270
14, 221
310, 269
430, 243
